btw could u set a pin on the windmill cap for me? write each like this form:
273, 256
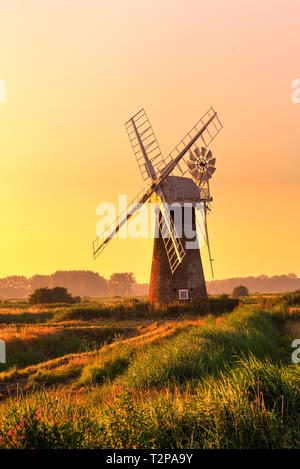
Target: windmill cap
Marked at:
180, 190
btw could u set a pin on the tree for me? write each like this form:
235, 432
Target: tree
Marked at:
120, 284
51, 295
241, 290
14, 286
78, 282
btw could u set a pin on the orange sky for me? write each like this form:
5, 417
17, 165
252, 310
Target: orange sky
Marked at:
76, 70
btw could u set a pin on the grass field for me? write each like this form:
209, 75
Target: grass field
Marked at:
121, 374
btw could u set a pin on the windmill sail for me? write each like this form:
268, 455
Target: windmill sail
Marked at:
205, 235
112, 229
145, 146
172, 242
211, 125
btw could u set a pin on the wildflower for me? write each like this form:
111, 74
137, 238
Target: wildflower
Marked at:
10, 432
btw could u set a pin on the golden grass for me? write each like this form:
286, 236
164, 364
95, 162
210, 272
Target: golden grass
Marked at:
68, 366
11, 333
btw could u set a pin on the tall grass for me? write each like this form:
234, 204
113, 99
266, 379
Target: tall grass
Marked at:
288, 299
255, 405
107, 366
199, 352
292, 298
25, 317
227, 384
33, 345
126, 309
137, 309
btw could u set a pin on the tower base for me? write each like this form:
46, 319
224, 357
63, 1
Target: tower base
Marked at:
187, 281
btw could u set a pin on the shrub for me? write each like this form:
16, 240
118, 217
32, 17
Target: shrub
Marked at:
241, 290
51, 295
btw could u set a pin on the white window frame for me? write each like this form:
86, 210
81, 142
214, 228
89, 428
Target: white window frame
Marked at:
183, 294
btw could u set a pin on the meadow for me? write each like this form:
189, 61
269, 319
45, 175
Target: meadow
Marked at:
119, 373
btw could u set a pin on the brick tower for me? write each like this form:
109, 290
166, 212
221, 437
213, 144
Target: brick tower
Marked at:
187, 282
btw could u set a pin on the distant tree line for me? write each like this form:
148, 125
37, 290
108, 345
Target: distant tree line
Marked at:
261, 284
88, 283
77, 282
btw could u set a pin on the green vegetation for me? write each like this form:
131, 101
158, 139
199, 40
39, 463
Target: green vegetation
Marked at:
31, 345
133, 308
189, 378
117, 310
197, 353
51, 295
241, 290
24, 317
108, 365
292, 298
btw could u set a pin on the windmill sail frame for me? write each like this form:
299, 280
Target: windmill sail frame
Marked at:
212, 128
145, 145
173, 245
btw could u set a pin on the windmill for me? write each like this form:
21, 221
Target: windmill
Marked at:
176, 272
